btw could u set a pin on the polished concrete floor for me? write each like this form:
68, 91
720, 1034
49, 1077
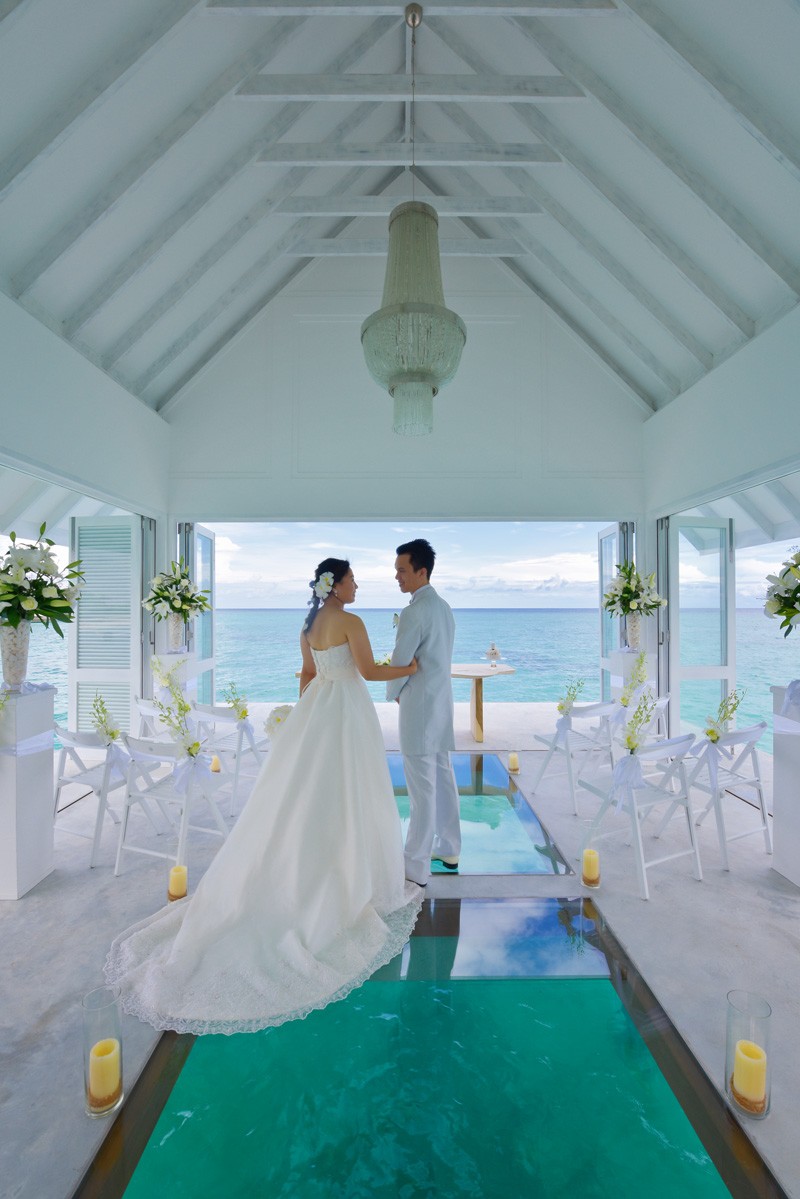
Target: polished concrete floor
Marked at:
694, 941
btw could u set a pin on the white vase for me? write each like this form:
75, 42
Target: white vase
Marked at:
175, 626
633, 629
14, 645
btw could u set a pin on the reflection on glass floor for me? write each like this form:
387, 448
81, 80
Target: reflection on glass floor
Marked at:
500, 832
438, 1079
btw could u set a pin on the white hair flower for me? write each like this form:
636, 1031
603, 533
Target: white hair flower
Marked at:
323, 585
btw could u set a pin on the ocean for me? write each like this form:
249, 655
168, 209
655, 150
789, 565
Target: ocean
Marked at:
258, 648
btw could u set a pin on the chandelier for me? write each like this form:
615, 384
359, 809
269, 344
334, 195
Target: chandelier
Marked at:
412, 344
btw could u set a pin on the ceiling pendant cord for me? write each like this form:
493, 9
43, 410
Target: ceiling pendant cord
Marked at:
413, 20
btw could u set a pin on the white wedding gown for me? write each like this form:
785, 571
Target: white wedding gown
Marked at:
305, 899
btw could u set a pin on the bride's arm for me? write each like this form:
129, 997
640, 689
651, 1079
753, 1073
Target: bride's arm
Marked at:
309, 670
364, 658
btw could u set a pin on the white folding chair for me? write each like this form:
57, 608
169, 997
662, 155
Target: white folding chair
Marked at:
150, 720
654, 730
101, 777
186, 783
578, 746
652, 775
731, 764
231, 739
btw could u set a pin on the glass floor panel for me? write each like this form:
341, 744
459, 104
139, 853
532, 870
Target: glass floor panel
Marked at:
500, 833
437, 1079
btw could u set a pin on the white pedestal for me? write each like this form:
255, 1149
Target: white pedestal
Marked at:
622, 662
26, 791
785, 791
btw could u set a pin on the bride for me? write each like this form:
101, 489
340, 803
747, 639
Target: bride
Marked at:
307, 897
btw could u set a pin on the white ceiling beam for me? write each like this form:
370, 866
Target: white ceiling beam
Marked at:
378, 247
19, 506
756, 514
615, 326
135, 171
179, 288
148, 250
592, 246
657, 146
439, 8
62, 509
750, 113
238, 288
497, 89
400, 154
539, 124
532, 246
15, 8
105, 81
381, 206
253, 311
783, 495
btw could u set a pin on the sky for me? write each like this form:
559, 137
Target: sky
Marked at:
479, 564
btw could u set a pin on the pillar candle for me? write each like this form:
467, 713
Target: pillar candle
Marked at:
750, 1072
177, 882
590, 868
215, 764
105, 1073
513, 762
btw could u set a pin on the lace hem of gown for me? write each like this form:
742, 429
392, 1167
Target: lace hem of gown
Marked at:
121, 960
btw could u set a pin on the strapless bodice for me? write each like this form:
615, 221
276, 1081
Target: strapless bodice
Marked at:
334, 663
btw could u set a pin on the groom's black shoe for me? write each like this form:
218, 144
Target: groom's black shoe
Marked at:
414, 881
448, 863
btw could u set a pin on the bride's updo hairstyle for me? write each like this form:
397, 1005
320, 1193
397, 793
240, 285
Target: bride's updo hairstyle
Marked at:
336, 568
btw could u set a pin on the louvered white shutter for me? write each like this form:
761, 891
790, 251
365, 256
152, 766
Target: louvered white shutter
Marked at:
105, 644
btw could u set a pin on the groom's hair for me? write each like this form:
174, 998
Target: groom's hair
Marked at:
421, 553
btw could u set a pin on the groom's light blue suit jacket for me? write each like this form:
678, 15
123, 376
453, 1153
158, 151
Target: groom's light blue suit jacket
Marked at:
426, 632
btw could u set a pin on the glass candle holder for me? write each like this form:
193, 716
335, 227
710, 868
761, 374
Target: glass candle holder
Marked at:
590, 868
178, 883
747, 1054
102, 1051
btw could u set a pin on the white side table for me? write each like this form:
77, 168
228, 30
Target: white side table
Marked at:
26, 789
785, 791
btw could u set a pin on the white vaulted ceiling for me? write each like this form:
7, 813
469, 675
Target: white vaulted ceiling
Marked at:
168, 166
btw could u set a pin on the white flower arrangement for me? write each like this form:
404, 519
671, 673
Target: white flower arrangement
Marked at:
322, 587
276, 718
629, 592
238, 702
164, 675
33, 588
637, 679
175, 714
386, 660
639, 721
783, 594
173, 593
571, 693
103, 721
717, 726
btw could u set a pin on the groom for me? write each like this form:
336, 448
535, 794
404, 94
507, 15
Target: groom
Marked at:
426, 631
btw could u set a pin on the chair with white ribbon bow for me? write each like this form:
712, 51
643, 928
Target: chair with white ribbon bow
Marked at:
187, 784
578, 745
731, 764
106, 773
651, 775
232, 739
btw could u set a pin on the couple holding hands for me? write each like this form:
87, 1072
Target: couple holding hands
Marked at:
312, 891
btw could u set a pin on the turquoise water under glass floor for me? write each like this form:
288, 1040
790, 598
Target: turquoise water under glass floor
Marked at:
494, 1057
500, 832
